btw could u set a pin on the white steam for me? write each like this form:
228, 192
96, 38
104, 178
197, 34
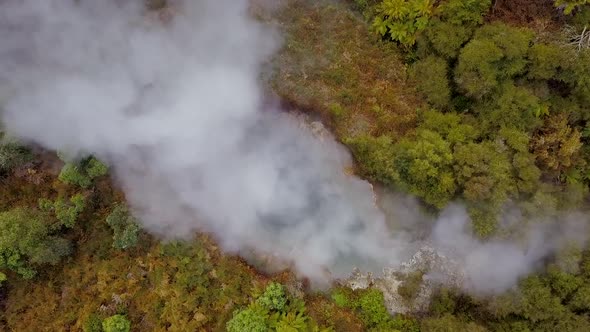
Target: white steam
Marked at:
176, 109
497, 264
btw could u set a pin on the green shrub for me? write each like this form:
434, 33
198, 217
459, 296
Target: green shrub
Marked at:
13, 155
273, 298
252, 319
423, 166
464, 12
401, 20
116, 323
95, 168
124, 226
93, 324
26, 242
72, 174
545, 60
82, 173
66, 212
341, 299
430, 76
375, 157
447, 38
496, 53
372, 308
337, 110
570, 5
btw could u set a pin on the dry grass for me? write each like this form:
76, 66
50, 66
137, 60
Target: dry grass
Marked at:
332, 65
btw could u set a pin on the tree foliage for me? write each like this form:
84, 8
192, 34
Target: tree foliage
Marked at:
124, 226
12, 155
496, 53
556, 145
423, 166
27, 242
430, 75
570, 5
116, 323
83, 172
66, 211
401, 20
273, 310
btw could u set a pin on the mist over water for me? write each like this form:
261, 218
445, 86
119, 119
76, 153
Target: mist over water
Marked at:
175, 108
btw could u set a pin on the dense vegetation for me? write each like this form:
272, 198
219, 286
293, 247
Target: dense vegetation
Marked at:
445, 100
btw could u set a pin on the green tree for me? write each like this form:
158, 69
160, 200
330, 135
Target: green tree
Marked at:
124, 226
66, 212
430, 75
580, 300
446, 38
448, 125
93, 324
83, 172
483, 172
570, 5
526, 173
514, 107
545, 60
372, 308
375, 157
26, 242
464, 12
556, 146
496, 53
73, 174
538, 302
274, 297
12, 155
253, 318
401, 20
116, 323
423, 166
95, 168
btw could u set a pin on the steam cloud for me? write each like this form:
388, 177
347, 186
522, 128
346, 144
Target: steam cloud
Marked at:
176, 110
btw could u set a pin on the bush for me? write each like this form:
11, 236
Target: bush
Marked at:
13, 155
252, 319
401, 20
464, 12
274, 297
570, 5
430, 76
116, 323
66, 212
545, 60
375, 157
74, 175
95, 168
124, 226
496, 53
423, 166
92, 324
373, 311
26, 241
82, 173
446, 38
